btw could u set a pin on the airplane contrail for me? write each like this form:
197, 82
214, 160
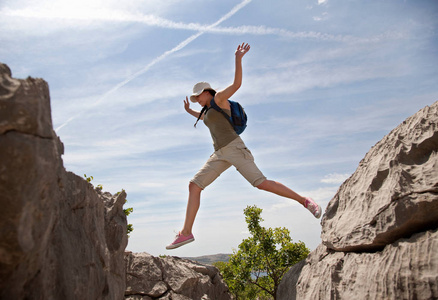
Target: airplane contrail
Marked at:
158, 59
155, 21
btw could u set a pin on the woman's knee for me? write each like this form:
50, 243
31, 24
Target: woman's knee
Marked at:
264, 185
194, 188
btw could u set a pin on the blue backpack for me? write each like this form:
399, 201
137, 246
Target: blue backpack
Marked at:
238, 117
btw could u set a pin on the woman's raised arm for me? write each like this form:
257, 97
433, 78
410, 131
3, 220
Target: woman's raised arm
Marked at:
229, 91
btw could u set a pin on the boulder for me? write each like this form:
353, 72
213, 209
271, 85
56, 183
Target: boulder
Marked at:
379, 232
59, 237
149, 277
406, 269
393, 192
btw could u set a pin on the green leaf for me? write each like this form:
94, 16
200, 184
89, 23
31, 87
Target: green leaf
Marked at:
255, 270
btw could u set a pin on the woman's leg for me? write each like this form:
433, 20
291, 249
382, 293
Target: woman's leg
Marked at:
185, 236
205, 176
243, 160
192, 208
281, 190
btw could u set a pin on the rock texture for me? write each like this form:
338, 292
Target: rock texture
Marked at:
379, 232
171, 278
59, 237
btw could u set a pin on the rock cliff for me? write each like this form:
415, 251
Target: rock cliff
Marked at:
379, 232
149, 277
59, 237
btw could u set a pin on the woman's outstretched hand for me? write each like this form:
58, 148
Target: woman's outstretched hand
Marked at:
242, 49
187, 104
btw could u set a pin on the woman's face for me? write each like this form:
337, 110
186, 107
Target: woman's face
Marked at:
204, 98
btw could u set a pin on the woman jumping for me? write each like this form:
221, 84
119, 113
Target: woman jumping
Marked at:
229, 150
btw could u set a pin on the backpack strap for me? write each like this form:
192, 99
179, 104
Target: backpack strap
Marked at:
217, 107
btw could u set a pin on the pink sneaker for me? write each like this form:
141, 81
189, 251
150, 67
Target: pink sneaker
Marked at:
314, 208
180, 240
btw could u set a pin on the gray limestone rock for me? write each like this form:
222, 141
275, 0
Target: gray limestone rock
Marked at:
394, 191
172, 278
379, 232
59, 237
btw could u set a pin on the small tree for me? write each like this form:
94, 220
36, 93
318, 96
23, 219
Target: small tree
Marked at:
256, 269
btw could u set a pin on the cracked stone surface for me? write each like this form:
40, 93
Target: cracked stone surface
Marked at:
24, 105
406, 269
60, 238
379, 232
149, 277
394, 191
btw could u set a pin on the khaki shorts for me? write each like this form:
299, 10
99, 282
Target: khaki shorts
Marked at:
234, 154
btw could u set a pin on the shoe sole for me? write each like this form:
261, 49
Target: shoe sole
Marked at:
174, 246
318, 214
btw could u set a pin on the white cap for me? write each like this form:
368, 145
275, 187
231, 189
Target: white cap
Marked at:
198, 89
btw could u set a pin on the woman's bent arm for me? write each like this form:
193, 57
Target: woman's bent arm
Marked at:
191, 111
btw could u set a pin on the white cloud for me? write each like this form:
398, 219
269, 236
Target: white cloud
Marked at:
79, 14
306, 77
335, 178
93, 17
86, 12
323, 16
158, 59
87, 7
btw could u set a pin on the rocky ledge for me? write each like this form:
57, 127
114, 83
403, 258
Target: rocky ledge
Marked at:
59, 237
379, 232
166, 278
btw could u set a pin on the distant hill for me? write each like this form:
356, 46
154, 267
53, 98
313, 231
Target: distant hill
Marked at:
210, 259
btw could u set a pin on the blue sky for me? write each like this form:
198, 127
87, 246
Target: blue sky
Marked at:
323, 82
